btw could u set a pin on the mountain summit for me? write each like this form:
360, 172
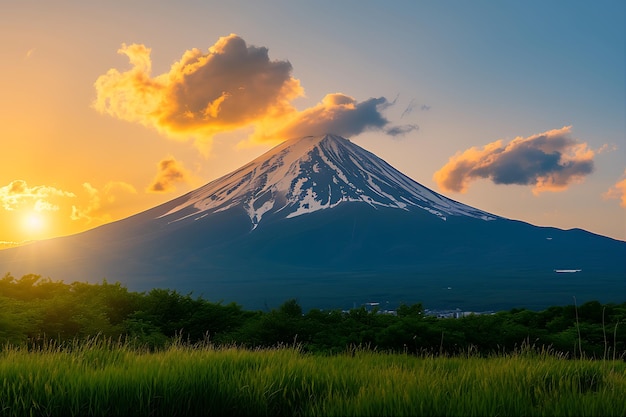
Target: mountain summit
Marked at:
326, 222
304, 175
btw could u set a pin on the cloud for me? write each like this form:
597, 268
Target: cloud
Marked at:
401, 130
170, 173
84, 212
17, 195
617, 191
607, 148
98, 201
112, 189
409, 108
550, 161
336, 113
4, 244
231, 86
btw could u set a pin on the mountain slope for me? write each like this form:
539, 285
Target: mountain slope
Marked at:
307, 174
322, 220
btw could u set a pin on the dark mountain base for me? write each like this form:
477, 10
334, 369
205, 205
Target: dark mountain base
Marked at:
357, 255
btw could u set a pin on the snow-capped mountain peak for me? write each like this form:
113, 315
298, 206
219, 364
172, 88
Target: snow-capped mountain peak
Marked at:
304, 175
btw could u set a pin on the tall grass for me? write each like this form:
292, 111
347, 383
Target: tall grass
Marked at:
105, 378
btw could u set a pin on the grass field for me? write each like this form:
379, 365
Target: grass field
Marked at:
104, 378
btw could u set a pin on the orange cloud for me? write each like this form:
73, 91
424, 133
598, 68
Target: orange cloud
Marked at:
98, 201
231, 86
550, 161
84, 212
132, 95
112, 189
617, 191
17, 195
4, 244
170, 173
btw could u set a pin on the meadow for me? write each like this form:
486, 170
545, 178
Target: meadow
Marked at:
99, 377
100, 350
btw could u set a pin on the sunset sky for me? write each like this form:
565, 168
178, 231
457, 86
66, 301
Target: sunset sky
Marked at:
110, 108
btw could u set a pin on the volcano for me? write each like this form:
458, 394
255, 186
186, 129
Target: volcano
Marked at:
326, 222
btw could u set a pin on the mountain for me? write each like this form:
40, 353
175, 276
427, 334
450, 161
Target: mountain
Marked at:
324, 221
308, 174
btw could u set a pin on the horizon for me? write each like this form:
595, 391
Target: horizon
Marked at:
269, 152
322, 220
514, 110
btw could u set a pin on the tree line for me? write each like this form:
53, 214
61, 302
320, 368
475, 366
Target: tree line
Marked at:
34, 310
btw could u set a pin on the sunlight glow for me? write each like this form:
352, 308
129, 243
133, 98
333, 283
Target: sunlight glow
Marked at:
33, 222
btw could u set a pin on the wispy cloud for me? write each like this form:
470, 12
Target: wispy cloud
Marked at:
90, 205
617, 191
171, 172
233, 85
98, 201
17, 195
401, 130
336, 113
113, 189
409, 108
93, 204
607, 148
549, 161
4, 244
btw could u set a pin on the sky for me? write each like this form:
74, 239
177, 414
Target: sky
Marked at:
111, 108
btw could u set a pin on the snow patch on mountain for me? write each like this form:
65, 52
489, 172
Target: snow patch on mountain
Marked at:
304, 175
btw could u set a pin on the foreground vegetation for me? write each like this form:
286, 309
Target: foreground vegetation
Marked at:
99, 377
100, 350
34, 310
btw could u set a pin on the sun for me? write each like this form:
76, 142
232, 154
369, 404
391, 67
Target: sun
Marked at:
33, 222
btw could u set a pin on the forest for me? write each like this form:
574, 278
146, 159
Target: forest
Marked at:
36, 310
